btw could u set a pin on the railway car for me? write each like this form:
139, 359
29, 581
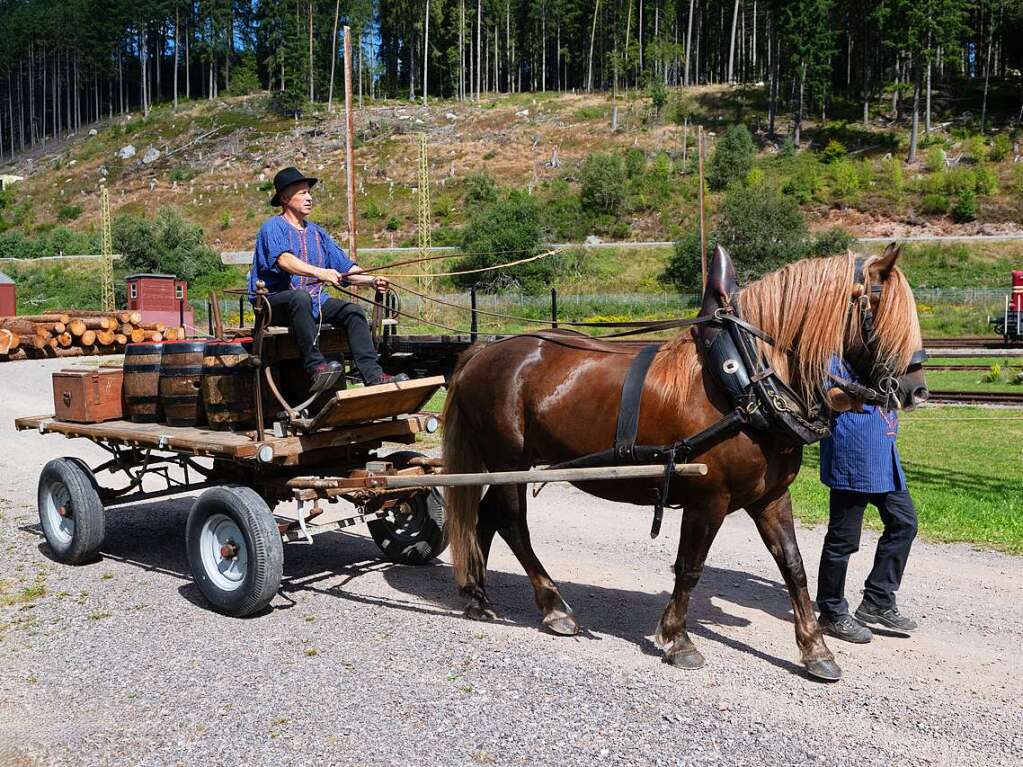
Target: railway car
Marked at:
1010, 323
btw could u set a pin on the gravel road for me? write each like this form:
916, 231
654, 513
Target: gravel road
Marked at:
361, 663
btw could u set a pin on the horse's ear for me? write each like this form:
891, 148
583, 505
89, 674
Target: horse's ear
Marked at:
882, 266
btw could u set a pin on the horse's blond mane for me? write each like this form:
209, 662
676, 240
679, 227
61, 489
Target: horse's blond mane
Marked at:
804, 306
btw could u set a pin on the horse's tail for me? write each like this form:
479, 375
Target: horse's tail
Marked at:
461, 503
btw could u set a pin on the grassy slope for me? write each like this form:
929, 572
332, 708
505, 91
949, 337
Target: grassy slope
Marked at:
963, 469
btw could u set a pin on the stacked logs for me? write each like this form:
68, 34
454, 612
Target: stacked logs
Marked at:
76, 333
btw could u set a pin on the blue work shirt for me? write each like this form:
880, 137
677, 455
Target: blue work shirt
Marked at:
312, 245
861, 455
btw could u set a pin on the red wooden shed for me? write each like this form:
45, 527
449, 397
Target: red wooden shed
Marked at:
159, 298
8, 296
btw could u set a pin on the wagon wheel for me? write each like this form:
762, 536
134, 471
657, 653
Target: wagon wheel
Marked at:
70, 510
412, 533
234, 550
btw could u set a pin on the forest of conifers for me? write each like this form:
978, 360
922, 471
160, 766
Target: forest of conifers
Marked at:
65, 63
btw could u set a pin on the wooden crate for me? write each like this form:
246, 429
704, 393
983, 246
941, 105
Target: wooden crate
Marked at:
371, 403
88, 396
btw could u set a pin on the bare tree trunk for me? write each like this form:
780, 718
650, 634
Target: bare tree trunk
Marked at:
461, 50
731, 46
188, 63
42, 99
798, 126
310, 50
593, 35
479, 48
927, 108
543, 36
31, 96
753, 48
915, 130
689, 41
177, 39
426, 51
333, 57
987, 72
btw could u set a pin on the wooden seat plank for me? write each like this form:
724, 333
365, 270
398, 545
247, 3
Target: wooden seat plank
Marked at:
371, 403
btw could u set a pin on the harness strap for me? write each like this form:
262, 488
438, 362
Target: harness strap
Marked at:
632, 395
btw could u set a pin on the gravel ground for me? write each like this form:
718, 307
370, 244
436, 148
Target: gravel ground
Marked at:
361, 663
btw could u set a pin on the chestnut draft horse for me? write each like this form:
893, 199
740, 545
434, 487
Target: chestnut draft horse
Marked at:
550, 397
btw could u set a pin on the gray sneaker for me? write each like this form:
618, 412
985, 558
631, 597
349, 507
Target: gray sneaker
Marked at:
888, 617
846, 628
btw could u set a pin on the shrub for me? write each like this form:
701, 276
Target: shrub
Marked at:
756, 176
603, 184
658, 93
965, 209
185, 173
844, 181
393, 224
69, 212
891, 170
804, 184
986, 180
762, 228
831, 242
934, 160
684, 269
960, 179
1000, 148
244, 77
1017, 178
287, 102
788, 147
166, 243
834, 151
480, 189
635, 162
934, 203
732, 159
976, 148
562, 213
502, 231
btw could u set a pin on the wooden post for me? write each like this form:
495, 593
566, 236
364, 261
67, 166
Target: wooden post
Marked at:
703, 222
554, 307
349, 145
473, 321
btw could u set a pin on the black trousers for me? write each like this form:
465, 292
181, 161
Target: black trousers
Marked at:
843, 539
294, 308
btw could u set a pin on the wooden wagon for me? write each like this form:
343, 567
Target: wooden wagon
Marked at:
320, 454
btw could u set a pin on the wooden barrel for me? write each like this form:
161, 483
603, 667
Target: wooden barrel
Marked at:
228, 388
181, 383
142, 382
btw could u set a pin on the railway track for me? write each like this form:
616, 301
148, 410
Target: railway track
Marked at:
969, 342
977, 397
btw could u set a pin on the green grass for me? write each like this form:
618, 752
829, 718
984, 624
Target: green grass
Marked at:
970, 380
963, 468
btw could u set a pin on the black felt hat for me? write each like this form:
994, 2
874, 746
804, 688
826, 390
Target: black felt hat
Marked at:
286, 178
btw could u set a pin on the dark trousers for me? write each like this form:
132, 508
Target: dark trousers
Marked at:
294, 308
843, 539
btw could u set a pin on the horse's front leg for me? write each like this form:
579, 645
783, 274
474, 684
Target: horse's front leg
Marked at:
774, 521
557, 615
699, 527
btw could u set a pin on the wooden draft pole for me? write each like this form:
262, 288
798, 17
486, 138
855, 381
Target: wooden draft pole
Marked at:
107, 250
349, 145
703, 221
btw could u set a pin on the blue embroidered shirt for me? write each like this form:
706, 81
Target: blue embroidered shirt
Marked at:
861, 455
312, 245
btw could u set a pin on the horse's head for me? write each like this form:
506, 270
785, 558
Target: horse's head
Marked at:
883, 342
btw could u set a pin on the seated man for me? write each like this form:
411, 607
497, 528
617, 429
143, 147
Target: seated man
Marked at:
295, 258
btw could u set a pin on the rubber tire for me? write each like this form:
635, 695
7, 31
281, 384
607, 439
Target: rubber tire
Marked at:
431, 540
265, 549
90, 518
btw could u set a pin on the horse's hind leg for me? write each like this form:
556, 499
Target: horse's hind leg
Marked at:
774, 521
557, 615
493, 514
699, 527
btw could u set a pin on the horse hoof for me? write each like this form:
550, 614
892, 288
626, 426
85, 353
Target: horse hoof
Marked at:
480, 613
825, 670
562, 624
688, 659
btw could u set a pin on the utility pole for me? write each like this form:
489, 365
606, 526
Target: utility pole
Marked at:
424, 236
107, 250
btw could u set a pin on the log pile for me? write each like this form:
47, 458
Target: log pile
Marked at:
75, 333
